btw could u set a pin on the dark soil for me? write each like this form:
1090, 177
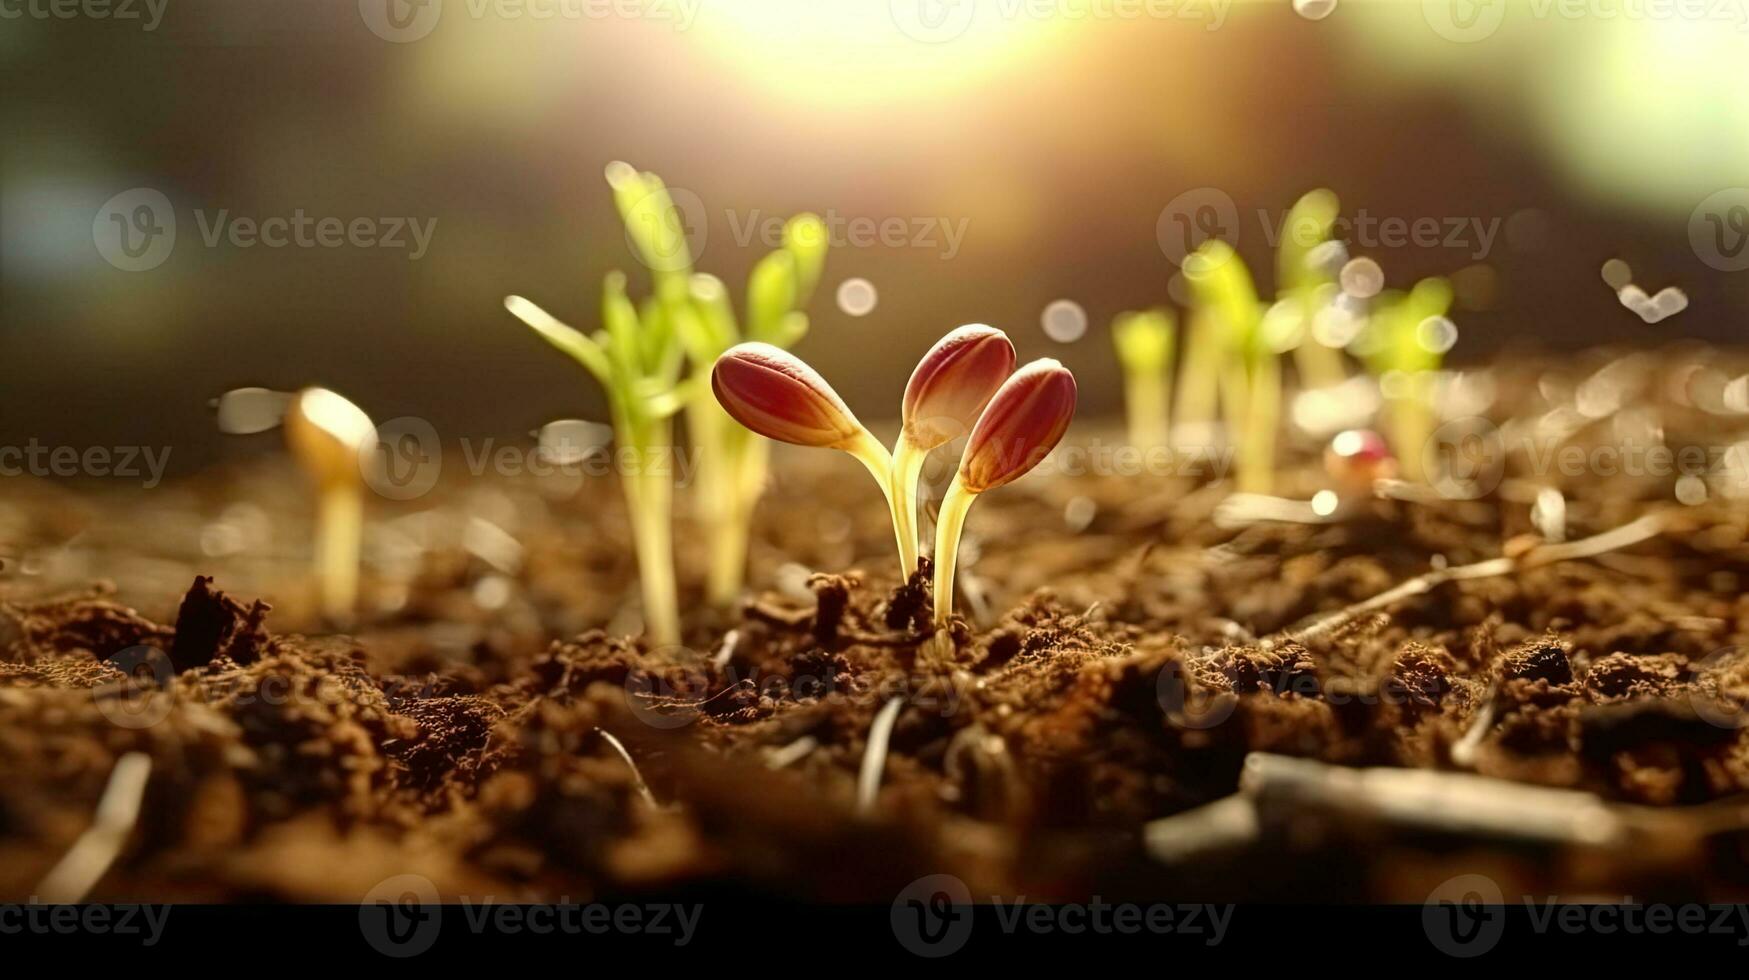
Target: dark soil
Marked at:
457, 733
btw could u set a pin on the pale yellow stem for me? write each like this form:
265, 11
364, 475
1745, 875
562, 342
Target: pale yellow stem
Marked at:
1319, 366
1147, 397
1257, 450
1199, 394
867, 449
1411, 422
906, 474
649, 497
339, 526
948, 526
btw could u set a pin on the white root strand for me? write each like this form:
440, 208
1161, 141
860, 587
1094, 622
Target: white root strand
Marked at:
1628, 534
874, 758
92, 854
637, 777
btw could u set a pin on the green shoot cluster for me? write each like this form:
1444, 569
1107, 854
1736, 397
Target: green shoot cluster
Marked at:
653, 359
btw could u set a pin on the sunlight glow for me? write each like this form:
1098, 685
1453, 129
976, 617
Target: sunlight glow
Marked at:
866, 53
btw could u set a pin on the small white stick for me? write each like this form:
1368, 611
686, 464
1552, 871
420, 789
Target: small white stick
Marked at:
96, 849
1464, 752
874, 758
1628, 534
1455, 802
1413, 587
637, 777
1244, 509
726, 650
792, 753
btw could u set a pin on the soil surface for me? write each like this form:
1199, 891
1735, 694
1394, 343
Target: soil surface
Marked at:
1120, 652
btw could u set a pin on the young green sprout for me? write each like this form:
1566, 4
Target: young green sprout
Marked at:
331, 438
638, 365
947, 391
1018, 429
1303, 274
1404, 344
775, 394
696, 310
1199, 394
1145, 345
1251, 373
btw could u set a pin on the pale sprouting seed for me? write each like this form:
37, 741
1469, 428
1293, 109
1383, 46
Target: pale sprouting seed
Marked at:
948, 390
775, 394
246, 411
1018, 429
1356, 459
953, 382
332, 439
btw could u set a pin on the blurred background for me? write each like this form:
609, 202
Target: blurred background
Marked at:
975, 160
